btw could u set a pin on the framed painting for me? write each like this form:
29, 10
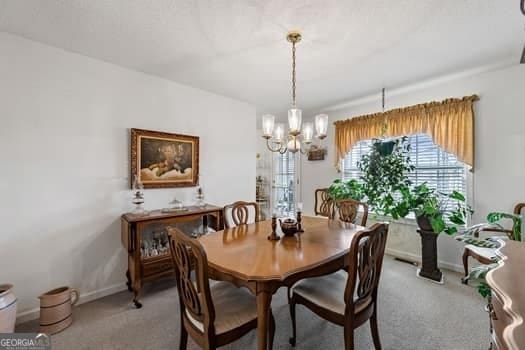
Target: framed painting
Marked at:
161, 159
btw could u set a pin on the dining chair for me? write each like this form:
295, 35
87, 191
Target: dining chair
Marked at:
321, 204
347, 299
486, 255
348, 210
213, 315
240, 213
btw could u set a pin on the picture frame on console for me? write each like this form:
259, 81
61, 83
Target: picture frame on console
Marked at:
163, 160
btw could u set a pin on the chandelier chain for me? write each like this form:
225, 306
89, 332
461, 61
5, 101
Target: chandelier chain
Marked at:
293, 75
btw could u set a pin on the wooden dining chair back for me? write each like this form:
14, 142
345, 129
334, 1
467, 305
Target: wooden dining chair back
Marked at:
322, 202
487, 255
347, 299
240, 213
237, 310
366, 261
348, 210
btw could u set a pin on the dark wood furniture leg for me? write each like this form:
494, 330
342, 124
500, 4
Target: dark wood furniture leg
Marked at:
183, 343
272, 330
291, 304
205, 224
128, 282
136, 295
466, 254
375, 330
349, 337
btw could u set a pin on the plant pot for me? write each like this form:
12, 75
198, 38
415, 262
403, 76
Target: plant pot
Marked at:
8, 303
423, 221
385, 148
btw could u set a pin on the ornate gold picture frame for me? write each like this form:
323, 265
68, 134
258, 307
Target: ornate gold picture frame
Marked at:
161, 160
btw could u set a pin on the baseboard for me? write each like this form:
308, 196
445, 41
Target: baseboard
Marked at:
33, 314
417, 258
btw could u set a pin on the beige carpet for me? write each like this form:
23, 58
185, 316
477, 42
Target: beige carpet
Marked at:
413, 314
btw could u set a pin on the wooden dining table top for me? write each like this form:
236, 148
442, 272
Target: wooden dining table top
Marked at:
246, 253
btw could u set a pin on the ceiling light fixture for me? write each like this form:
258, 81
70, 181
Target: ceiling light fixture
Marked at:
275, 133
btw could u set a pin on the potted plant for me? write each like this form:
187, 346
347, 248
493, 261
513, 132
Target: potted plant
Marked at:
384, 147
433, 216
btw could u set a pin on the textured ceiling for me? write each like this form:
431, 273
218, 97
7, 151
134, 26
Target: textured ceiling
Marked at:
350, 48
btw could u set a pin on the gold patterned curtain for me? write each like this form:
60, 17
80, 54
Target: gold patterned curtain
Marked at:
450, 123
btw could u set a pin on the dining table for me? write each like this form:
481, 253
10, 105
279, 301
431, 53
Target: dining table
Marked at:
244, 256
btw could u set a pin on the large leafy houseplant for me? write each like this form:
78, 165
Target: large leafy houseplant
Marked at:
432, 208
385, 175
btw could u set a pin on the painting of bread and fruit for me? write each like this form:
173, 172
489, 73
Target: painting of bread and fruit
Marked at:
161, 159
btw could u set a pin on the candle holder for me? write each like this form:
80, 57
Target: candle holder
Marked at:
299, 218
273, 236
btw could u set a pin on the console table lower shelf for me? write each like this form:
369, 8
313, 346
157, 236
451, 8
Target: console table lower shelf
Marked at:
145, 239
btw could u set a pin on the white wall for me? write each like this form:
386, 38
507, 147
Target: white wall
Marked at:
64, 135
499, 173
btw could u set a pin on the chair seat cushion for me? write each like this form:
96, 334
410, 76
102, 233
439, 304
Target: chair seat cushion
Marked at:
327, 292
233, 307
488, 253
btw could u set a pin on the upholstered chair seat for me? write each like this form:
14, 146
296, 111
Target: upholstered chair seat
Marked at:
328, 292
233, 306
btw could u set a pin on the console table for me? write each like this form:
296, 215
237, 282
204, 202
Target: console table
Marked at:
145, 239
507, 304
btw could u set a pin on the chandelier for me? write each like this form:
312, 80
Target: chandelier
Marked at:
276, 141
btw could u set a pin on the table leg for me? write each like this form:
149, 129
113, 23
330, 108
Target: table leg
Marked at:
128, 282
136, 294
264, 301
205, 223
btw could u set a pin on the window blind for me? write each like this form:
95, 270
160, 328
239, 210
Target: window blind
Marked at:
439, 169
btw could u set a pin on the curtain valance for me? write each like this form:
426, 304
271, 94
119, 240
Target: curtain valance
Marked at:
450, 123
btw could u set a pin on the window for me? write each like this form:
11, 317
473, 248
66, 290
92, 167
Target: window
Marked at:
284, 183
441, 170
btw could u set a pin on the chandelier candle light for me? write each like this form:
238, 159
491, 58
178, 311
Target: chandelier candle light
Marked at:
274, 133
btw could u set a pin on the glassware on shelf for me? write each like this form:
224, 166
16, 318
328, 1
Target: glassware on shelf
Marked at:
175, 205
154, 244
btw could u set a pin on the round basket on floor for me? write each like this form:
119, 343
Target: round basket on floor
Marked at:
56, 309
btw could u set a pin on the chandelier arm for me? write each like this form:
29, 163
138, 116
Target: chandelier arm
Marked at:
278, 149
